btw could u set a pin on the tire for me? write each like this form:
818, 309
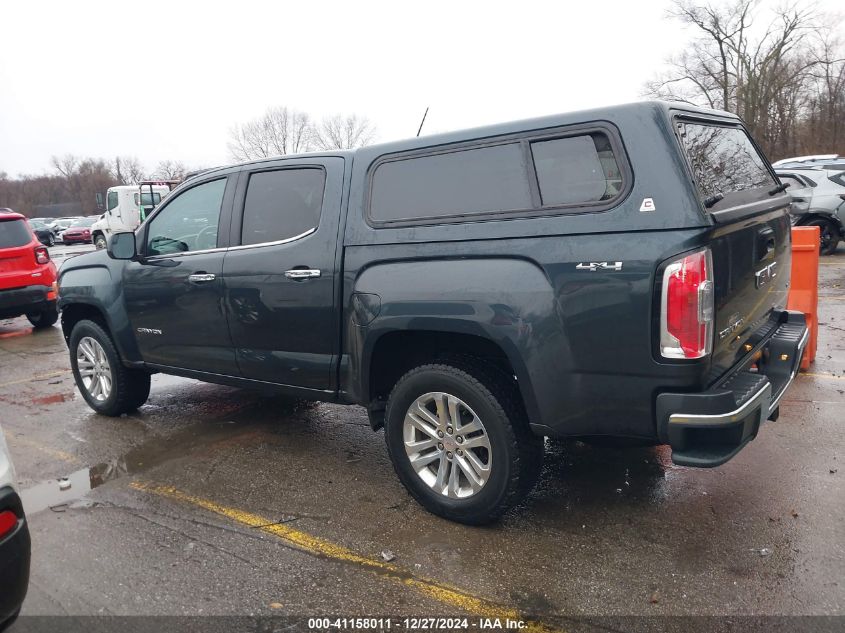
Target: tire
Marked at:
828, 235
5, 624
100, 241
44, 319
514, 454
128, 388
51, 241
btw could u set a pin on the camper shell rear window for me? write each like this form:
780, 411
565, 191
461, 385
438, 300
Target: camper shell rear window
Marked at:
727, 167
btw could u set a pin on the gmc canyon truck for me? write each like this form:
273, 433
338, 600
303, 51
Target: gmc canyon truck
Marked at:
616, 272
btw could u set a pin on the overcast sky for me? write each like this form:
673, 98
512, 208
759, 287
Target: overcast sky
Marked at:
167, 80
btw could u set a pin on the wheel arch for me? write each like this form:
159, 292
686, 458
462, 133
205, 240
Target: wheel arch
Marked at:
389, 354
73, 313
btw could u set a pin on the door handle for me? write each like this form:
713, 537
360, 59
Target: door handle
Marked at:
302, 273
199, 278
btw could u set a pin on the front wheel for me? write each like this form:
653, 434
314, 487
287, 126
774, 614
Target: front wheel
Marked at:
107, 386
100, 241
51, 240
459, 440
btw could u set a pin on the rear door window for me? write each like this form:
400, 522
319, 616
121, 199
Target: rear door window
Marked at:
727, 168
282, 204
791, 182
14, 233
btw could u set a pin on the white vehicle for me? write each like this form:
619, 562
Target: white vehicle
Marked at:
14, 542
126, 207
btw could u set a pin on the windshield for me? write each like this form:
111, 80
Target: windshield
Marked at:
14, 233
724, 161
37, 224
147, 200
84, 221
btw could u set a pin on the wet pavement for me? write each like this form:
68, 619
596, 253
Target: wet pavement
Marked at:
213, 500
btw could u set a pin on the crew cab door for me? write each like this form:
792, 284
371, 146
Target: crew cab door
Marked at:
174, 291
280, 274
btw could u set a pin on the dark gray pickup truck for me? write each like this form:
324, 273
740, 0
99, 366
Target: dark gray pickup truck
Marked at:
617, 272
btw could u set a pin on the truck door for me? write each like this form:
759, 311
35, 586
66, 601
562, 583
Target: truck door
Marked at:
280, 275
174, 291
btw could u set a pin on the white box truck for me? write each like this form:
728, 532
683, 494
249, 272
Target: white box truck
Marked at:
126, 207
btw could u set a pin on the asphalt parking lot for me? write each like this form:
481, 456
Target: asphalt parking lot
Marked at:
216, 501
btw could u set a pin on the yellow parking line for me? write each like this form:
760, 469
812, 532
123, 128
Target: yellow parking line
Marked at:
53, 374
314, 545
54, 452
808, 373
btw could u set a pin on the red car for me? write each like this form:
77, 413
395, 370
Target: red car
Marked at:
79, 232
27, 276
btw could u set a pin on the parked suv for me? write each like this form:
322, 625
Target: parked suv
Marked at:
818, 199
617, 272
27, 275
14, 542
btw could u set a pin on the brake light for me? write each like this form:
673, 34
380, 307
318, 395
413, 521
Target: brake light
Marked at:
42, 255
8, 521
686, 307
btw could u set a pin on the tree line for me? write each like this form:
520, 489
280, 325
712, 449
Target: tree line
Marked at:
73, 182
782, 71
72, 185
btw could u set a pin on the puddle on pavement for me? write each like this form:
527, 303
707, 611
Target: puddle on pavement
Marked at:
153, 452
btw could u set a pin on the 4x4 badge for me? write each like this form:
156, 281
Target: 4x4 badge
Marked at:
594, 266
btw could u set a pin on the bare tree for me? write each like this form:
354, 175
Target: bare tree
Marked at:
280, 130
65, 165
170, 170
127, 170
763, 74
343, 132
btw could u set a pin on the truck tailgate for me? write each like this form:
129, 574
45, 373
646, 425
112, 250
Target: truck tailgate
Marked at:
751, 263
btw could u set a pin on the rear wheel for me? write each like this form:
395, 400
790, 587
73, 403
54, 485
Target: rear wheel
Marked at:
828, 235
459, 441
107, 386
51, 241
100, 241
45, 318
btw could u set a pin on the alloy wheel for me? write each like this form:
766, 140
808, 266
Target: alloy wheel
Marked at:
447, 445
94, 369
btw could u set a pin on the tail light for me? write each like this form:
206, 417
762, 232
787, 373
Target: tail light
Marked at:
8, 521
42, 255
686, 307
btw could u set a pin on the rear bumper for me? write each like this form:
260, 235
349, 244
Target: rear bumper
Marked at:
14, 558
26, 300
707, 429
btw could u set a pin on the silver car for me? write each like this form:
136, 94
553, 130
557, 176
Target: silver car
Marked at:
818, 199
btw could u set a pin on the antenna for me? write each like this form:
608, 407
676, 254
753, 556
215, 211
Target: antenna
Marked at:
425, 114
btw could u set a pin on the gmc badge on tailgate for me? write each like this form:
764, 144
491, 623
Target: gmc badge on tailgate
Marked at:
765, 275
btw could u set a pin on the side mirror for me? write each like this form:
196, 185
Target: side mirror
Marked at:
122, 246
101, 204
